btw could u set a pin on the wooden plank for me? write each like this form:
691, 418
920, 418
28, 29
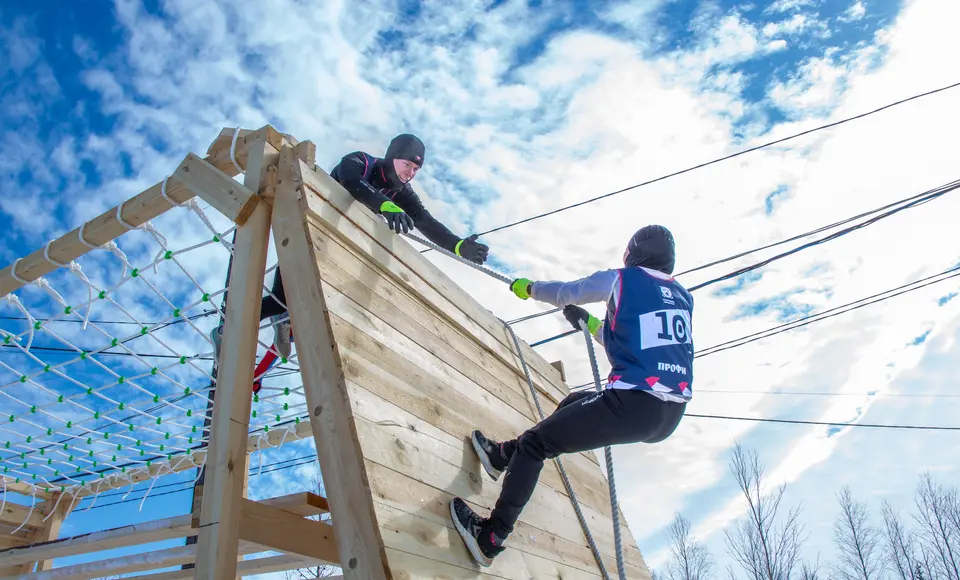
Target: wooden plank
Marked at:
51, 528
142, 533
150, 560
358, 225
11, 485
253, 567
235, 201
354, 275
218, 153
180, 463
558, 364
410, 375
303, 504
337, 446
306, 151
14, 514
223, 490
287, 532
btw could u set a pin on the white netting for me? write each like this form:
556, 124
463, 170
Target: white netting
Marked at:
107, 363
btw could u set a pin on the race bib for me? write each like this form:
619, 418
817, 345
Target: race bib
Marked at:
664, 328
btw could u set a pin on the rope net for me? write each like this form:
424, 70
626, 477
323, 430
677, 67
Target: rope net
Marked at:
107, 364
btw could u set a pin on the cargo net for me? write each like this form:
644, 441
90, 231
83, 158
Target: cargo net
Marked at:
107, 363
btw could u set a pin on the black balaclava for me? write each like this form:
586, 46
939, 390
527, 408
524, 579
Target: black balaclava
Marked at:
405, 146
651, 247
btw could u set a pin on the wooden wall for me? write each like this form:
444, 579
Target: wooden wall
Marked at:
421, 364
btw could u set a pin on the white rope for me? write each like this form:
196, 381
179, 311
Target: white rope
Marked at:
46, 256
78, 271
33, 505
13, 272
12, 298
233, 150
152, 483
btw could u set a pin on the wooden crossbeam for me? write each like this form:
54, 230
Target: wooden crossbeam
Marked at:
234, 200
150, 560
14, 514
251, 567
287, 532
302, 504
142, 533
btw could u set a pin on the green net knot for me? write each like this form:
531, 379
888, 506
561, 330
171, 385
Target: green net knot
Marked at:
216, 238
46, 368
283, 360
193, 429
33, 409
37, 325
166, 436
83, 355
69, 424
49, 431
139, 443
96, 414
278, 417
256, 398
119, 447
186, 390
183, 360
106, 435
161, 447
43, 451
12, 418
114, 342
60, 399
254, 413
89, 390
142, 453
123, 470
286, 390
6, 339
154, 371
131, 427
167, 255
189, 413
102, 294
66, 447
6, 445
23, 378
68, 310
156, 398
176, 313
89, 440
286, 406
205, 298
266, 428
135, 272
90, 454
144, 331
297, 420
114, 459
159, 420
121, 405
190, 440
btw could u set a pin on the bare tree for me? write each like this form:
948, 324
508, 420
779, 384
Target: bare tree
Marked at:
939, 534
900, 546
324, 570
810, 571
689, 559
861, 556
765, 550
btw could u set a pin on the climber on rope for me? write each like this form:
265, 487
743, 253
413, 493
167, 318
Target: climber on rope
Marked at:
646, 334
383, 185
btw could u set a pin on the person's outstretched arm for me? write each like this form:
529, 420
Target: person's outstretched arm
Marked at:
350, 175
436, 232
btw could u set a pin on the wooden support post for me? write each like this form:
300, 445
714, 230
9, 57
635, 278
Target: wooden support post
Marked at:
223, 493
341, 460
558, 364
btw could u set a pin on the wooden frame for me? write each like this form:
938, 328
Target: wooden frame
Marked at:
398, 365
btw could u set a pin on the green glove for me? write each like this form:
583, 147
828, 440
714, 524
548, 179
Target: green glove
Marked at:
396, 218
521, 287
574, 314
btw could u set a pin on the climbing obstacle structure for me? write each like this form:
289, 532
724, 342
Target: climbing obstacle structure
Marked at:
397, 366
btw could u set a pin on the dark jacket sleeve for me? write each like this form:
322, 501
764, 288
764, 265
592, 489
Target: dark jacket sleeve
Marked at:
349, 172
433, 230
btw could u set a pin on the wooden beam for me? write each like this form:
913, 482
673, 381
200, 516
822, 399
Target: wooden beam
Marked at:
14, 514
223, 488
303, 504
341, 459
142, 533
179, 463
287, 532
150, 560
306, 151
218, 154
558, 364
233, 200
49, 530
251, 567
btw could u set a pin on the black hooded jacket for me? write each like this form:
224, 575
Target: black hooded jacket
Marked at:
365, 177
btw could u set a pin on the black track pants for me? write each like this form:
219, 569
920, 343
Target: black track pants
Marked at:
269, 306
583, 421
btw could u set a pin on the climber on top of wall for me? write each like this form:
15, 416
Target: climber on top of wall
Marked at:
646, 333
383, 185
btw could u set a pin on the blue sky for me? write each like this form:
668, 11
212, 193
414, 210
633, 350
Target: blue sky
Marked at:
526, 107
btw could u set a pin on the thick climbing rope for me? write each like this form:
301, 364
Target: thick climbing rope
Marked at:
614, 507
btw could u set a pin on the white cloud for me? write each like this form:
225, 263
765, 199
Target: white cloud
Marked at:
856, 12
589, 115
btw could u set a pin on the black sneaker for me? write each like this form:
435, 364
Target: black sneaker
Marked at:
491, 454
483, 544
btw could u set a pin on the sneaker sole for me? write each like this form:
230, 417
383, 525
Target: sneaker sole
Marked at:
484, 458
469, 541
